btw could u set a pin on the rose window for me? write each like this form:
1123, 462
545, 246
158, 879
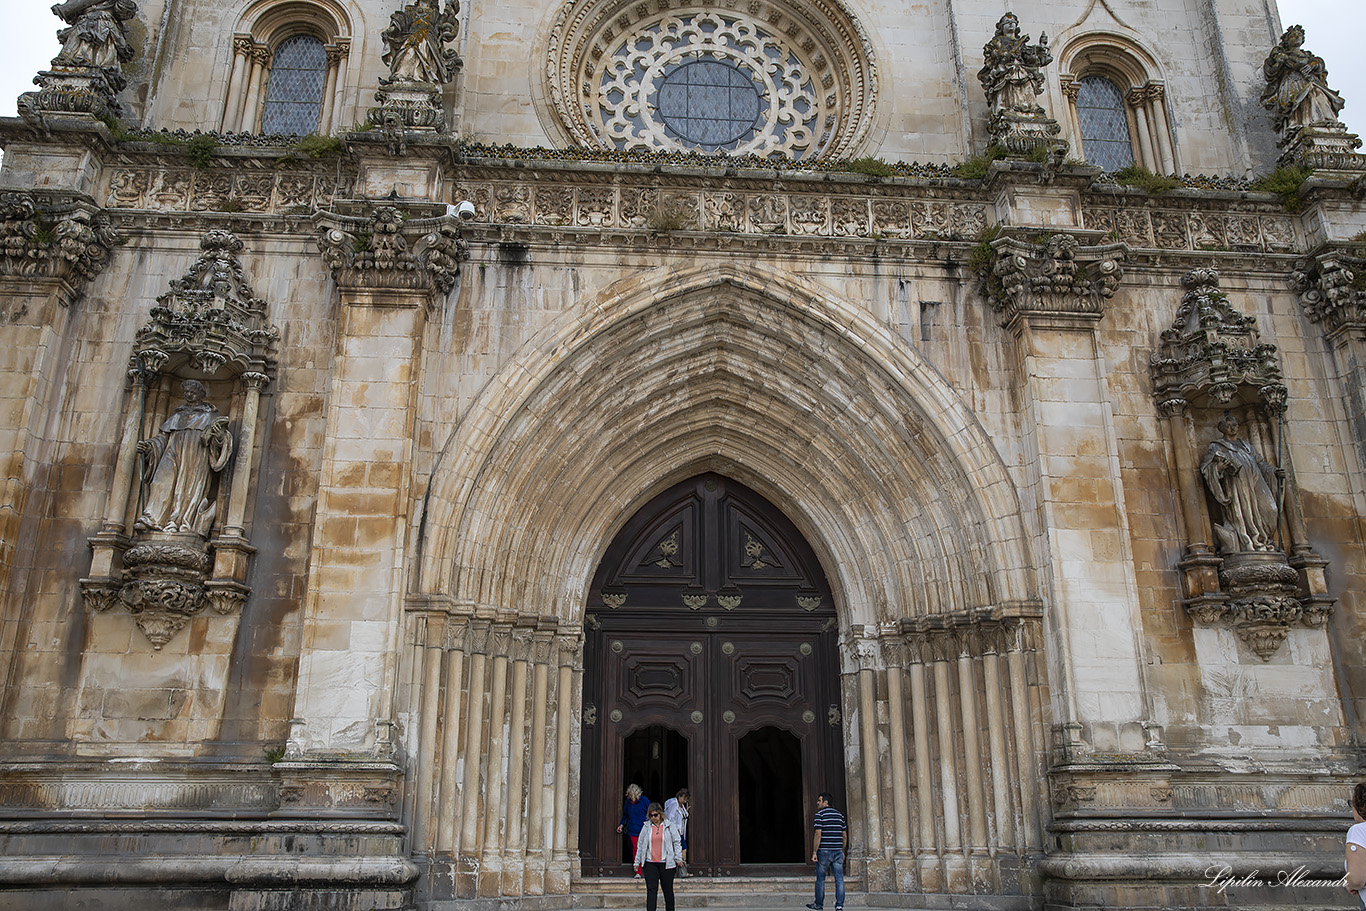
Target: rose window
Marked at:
762, 78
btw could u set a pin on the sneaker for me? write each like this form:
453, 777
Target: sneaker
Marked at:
813, 906
839, 908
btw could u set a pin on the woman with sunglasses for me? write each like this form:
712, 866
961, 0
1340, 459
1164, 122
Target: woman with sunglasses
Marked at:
657, 855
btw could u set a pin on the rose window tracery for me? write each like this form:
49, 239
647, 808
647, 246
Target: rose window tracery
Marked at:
764, 78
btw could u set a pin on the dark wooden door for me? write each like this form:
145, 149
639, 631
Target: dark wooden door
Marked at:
710, 663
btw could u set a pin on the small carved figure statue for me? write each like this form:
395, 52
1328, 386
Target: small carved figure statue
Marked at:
1012, 74
96, 37
178, 464
1244, 486
1297, 91
416, 37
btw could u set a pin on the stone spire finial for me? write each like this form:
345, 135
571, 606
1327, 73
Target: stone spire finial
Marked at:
1012, 76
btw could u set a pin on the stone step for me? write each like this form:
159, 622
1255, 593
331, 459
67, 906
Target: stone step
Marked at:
751, 893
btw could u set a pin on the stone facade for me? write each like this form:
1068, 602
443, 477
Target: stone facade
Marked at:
441, 360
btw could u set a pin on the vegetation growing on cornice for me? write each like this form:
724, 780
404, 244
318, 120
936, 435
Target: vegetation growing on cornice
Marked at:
1136, 175
1285, 182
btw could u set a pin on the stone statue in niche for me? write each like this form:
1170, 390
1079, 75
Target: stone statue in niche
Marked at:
1012, 77
179, 462
96, 36
1244, 486
416, 38
1297, 91
1012, 74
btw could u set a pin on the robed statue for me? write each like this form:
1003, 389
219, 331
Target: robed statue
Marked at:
1012, 75
1244, 486
1297, 92
179, 463
416, 39
97, 36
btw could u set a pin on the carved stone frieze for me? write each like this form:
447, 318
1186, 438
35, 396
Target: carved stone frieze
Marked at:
385, 249
1059, 276
1332, 289
53, 238
1196, 229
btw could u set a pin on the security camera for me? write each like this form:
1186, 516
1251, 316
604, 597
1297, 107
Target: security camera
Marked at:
465, 210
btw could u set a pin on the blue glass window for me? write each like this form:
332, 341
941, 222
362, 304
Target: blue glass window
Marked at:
295, 95
1105, 139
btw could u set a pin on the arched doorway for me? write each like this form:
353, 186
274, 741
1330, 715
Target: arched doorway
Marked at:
710, 663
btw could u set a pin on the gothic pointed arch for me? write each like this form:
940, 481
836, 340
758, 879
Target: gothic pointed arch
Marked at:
725, 368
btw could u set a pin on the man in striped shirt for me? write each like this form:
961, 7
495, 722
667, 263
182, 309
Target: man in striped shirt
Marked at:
827, 850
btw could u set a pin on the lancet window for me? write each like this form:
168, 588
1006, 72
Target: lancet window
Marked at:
288, 71
1117, 110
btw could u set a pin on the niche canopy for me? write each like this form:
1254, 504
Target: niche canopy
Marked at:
770, 78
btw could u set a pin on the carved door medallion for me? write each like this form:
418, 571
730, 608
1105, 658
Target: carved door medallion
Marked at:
710, 663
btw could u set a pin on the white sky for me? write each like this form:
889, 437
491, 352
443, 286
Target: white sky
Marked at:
1334, 28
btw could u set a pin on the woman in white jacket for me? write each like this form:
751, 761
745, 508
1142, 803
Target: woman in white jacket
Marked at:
657, 855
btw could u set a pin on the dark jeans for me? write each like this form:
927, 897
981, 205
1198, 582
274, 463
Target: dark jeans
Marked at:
655, 874
829, 859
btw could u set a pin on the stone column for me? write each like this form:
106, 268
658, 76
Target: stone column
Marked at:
1000, 770
453, 709
955, 863
251, 105
1199, 564
1161, 131
1138, 103
534, 882
491, 853
563, 861
927, 857
428, 650
514, 851
972, 767
467, 864
338, 99
1022, 730
874, 850
241, 68
903, 861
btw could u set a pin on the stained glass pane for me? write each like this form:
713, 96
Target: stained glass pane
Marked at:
1105, 139
710, 103
294, 97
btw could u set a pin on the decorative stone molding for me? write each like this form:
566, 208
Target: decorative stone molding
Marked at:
419, 63
209, 329
1332, 289
65, 239
386, 249
606, 61
87, 75
974, 633
1012, 77
1057, 277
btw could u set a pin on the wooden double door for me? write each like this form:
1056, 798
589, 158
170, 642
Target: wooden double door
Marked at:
710, 664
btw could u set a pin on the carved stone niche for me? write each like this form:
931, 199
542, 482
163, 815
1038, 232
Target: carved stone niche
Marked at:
173, 539
1247, 564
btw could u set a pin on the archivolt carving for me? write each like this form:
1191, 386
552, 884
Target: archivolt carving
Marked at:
810, 63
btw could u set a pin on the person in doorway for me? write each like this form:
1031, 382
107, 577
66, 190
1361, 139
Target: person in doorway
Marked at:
1356, 846
827, 850
676, 812
657, 856
633, 815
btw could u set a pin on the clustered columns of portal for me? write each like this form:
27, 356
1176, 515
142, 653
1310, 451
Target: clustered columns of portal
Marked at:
1248, 564
174, 539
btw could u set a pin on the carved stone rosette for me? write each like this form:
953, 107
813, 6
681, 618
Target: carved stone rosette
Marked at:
1059, 276
209, 332
87, 76
384, 249
1212, 359
53, 237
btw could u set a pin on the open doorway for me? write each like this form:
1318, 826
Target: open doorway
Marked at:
771, 826
656, 758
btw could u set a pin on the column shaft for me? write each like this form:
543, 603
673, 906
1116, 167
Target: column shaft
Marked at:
1000, 759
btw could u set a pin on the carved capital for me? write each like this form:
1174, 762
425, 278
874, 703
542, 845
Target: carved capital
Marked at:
1057, 277
1332, 289
388, 249
51, 237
